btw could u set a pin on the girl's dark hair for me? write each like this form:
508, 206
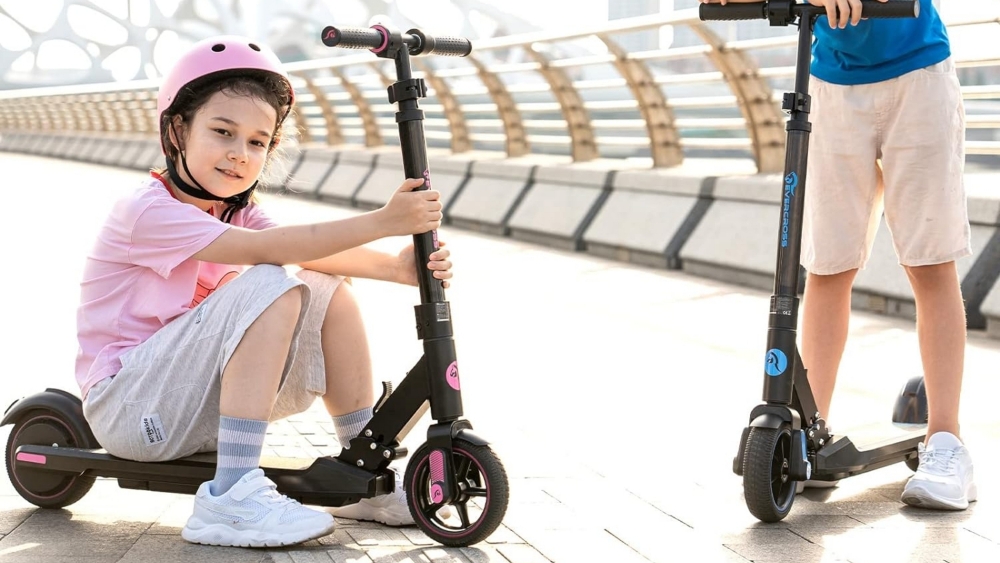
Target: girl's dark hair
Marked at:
265, 86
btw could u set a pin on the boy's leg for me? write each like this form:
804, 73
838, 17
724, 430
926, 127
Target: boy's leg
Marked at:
826, 312
941, 332
945, 476
927, 213
842, 209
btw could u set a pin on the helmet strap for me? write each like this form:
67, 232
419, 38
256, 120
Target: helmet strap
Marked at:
236, 202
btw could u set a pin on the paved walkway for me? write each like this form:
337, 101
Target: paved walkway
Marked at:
614, 395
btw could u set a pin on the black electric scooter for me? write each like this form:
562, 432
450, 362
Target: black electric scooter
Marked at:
53, 457
787, 440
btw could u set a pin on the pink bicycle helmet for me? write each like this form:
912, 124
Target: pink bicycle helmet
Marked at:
205, 58
216, 54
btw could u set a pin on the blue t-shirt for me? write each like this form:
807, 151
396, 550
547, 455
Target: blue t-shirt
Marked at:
879, 49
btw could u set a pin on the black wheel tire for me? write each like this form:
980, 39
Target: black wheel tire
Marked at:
44, 488
913, 463
911, 403
768, 491
480, 475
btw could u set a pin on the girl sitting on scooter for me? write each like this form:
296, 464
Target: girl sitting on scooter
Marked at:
183, 351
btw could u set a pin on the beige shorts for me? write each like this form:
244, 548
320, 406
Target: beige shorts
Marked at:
164, 403
897, 145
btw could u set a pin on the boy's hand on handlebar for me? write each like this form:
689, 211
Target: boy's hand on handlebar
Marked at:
848, 10
838, 12
411, 212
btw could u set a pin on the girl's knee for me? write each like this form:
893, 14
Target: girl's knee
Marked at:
262, 273
289, 304
264, 276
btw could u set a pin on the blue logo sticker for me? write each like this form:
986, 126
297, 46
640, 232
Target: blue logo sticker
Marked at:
776, 362
791, 182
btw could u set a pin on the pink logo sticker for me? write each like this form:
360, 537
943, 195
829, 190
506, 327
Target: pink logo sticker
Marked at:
452, 376
427, 184
437, 494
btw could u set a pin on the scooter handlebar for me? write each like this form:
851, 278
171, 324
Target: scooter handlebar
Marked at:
376, 39
758, 10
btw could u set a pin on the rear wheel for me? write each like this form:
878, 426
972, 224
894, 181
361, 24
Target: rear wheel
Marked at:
911, 408
911, 404
47, 489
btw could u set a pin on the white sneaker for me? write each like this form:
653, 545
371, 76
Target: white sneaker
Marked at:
390, 509
944, 477
253, 514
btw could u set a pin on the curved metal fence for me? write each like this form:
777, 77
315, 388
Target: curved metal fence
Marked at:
715, 98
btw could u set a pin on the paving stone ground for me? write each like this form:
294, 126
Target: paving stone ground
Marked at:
615, 396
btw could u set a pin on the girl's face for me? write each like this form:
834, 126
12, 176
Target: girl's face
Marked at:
226, 144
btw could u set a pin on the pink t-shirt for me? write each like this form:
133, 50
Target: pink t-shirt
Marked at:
140, 274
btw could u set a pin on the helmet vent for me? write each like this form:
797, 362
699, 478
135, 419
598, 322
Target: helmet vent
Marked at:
254, 47
218, 47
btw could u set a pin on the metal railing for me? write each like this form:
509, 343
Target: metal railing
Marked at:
610, 104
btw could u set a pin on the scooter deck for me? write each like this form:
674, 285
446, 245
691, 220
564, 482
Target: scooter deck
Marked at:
325, 481
867, 448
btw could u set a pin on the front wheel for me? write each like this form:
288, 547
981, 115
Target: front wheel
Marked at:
480, 503
46, 489
768, 490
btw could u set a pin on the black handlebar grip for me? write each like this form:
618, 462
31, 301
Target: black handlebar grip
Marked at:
758, 10
733, 11
447, 46
353, 37
890, 9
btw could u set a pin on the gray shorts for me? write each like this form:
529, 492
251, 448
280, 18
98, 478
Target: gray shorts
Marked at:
164, 403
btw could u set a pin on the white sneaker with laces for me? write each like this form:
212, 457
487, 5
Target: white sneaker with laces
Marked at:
390, 509
253, 514
944, 478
